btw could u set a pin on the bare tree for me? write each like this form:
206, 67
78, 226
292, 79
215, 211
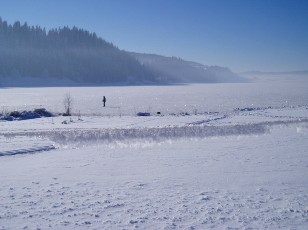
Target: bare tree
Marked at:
68, 102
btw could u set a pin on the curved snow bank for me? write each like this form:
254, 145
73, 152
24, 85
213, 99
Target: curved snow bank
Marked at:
28, 150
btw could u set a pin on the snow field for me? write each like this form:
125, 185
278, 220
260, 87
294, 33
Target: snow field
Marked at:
216, 182
219, 168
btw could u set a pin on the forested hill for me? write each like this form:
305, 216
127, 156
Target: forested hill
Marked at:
65, 53
174, 69
30, 55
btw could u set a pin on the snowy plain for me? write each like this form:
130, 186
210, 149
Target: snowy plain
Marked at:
219, 156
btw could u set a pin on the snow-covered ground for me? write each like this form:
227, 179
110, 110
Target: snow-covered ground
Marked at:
200, 167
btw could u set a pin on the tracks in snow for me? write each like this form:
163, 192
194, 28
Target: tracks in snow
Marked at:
27, 150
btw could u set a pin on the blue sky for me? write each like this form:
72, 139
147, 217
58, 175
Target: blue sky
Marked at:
265, 35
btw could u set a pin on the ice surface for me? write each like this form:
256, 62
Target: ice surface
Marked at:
197, 98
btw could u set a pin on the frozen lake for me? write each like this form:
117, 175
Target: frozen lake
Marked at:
128, 100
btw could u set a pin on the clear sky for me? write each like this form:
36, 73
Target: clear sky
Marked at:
265, 35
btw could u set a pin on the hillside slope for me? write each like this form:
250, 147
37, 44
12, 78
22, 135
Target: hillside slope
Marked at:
174, 69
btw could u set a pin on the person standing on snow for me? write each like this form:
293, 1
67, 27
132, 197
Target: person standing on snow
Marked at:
104, 100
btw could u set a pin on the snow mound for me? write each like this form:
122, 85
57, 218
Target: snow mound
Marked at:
143, 114
25, 115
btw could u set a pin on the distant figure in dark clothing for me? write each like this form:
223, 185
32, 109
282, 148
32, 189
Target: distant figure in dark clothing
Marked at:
104, 100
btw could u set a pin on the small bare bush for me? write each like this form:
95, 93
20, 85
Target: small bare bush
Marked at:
68, 103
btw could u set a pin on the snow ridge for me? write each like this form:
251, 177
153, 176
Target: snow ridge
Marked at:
157, 134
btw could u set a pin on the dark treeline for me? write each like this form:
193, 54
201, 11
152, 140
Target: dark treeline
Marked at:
72, 53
